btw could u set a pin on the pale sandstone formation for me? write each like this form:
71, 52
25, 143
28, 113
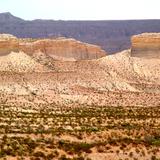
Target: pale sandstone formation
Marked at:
62, 48
112, 80
20, 62
58, 49
8, 43
115, 80
146, 45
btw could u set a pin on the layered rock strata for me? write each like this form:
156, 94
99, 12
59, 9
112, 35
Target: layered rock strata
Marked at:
8, 43
58, 49
146, 45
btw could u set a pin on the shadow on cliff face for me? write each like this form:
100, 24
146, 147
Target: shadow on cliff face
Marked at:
58, 49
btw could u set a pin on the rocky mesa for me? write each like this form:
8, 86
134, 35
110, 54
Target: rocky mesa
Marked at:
8, 43
115, 80
146, 45
58, 49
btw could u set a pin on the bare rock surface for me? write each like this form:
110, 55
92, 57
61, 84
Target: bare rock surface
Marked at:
8, 43
112, 80
63, 49
115, 80
112, 36
59, 49
146, 45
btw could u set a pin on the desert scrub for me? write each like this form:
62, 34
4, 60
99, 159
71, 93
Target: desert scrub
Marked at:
33, 128
75, 147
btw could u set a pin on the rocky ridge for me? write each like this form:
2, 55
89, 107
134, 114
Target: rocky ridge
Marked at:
58, 49
116, 80
20, 62
146, 45
8, 43
113, 36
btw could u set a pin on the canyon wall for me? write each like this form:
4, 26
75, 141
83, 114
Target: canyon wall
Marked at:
112, 35
8, 43
62, 48
58, 49
146, 45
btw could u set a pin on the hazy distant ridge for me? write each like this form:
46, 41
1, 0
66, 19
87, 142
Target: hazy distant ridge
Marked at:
113, 36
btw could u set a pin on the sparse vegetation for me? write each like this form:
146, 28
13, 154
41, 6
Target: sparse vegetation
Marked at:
33, 134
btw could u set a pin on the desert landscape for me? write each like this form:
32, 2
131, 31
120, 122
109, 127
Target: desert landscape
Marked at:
112, 35
69, 100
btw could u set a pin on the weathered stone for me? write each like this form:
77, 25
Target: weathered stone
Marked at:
58, 49
146, 45
8, 43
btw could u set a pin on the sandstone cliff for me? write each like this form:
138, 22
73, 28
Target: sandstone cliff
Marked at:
113, 36
8, 43
115, 80
62, 48
58, 49
146, 45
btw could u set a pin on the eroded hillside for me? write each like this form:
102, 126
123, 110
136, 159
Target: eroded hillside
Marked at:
59, 49
113, 36
118, 79
146, 45
105, 108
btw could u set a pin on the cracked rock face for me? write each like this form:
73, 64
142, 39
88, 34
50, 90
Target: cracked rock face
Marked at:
58, 49
146, 45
